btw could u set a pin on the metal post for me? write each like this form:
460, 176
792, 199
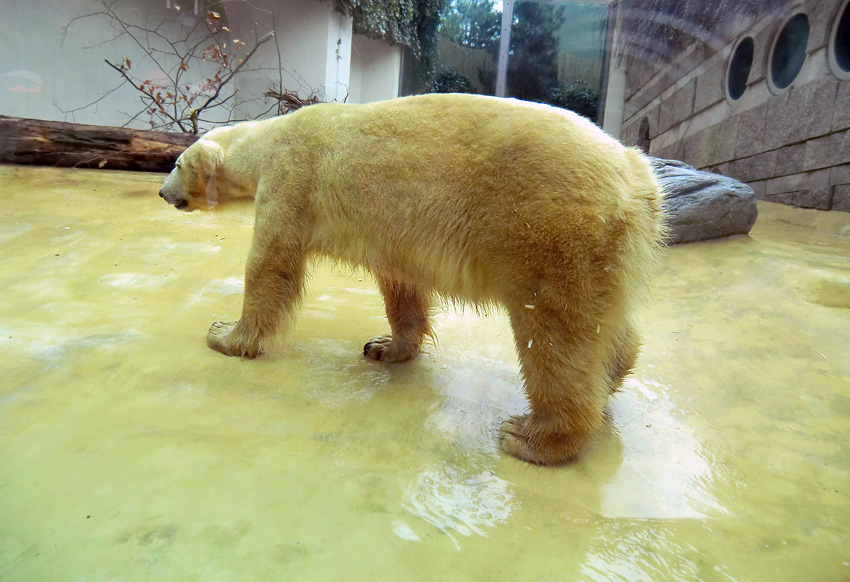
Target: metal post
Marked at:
504, 47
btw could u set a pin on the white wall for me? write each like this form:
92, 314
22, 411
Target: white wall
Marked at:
314, 42
43, 73
614, 99
47, 75
375, 70
615, 94
338, 57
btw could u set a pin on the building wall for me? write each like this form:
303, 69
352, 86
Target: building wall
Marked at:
375, 70
792, 147
52, 71
314, 44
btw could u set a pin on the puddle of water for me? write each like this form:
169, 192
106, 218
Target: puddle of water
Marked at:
456, 501
665, 473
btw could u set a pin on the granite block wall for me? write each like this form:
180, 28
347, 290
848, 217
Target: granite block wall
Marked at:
792, 145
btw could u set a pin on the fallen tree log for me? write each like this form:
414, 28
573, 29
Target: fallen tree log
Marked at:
55, 143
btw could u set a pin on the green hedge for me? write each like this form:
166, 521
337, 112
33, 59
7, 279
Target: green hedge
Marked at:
411, 23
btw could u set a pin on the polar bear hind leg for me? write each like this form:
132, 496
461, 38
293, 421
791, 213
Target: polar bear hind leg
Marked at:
562, 362
407, 311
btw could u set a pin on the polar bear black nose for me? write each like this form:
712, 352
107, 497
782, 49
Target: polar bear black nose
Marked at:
160, 194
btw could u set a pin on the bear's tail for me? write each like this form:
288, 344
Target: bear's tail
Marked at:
647, 226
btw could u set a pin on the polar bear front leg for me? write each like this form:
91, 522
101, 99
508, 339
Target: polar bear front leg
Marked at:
274, 281
407, 312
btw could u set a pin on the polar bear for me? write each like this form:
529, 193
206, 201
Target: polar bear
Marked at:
475, 199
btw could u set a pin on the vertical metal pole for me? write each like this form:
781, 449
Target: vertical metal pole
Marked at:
607, 57
504, 47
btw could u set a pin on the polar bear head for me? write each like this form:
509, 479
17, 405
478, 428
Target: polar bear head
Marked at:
193, 181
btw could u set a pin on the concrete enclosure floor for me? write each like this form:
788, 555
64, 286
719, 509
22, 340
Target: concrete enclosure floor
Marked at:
130, 451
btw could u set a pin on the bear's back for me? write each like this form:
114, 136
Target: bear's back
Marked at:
461, 192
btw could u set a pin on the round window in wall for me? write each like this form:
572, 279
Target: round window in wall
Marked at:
788, 52
739, 68
839, 43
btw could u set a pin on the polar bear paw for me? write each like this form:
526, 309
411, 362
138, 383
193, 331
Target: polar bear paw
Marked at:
223, 338
384, 349
523, 437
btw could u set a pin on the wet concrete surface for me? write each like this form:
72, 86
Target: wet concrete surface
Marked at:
130, 451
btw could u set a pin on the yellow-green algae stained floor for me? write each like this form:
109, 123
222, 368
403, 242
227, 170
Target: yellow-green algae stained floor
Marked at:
130, 451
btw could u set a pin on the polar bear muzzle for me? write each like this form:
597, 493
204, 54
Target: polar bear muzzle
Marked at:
172, 190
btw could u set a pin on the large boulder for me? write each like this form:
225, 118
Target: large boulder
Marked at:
701, 205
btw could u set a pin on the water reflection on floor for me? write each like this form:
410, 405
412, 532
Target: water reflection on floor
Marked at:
129, 451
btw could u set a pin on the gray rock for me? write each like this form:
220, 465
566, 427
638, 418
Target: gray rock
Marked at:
701, 205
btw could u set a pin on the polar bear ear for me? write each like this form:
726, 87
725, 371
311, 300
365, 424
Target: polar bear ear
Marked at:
212, 155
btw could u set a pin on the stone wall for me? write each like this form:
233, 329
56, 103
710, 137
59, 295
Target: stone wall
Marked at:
792, 145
